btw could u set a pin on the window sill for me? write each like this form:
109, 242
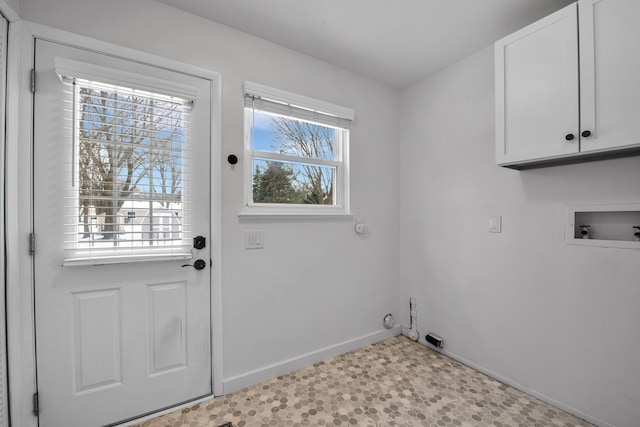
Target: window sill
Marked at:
123, 259
295, 215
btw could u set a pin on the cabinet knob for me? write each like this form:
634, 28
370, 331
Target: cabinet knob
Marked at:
569, 137
586, 134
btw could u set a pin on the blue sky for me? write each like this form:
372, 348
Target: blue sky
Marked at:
263, 134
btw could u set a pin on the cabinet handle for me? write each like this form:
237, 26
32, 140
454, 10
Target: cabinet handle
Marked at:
586, 134
569, 137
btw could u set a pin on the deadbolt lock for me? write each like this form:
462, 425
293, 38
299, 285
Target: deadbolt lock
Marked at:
199, 242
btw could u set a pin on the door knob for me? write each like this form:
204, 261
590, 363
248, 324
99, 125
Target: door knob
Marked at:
586, 134
198, 264
569, 137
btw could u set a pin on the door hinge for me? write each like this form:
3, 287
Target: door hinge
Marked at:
36, 404
32, 243
33, 80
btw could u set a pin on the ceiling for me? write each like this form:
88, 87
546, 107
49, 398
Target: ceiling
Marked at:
397, 42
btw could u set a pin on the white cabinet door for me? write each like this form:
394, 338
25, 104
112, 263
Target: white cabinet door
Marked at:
609, 73
118, 340
537, 90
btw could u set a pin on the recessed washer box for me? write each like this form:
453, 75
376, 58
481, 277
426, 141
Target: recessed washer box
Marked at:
609, 226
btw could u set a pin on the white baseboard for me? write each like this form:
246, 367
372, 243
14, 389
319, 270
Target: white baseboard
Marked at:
517, 386
251, 378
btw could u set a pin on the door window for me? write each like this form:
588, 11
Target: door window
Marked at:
128, 190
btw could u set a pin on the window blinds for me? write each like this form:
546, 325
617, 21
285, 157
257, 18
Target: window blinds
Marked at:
68, 69
128, 189
283, 103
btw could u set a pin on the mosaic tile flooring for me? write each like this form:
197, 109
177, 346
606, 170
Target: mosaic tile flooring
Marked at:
397, 382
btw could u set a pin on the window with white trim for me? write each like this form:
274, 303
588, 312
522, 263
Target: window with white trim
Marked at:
128, 185
296, 151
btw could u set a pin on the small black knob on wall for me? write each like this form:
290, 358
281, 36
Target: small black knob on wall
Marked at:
232, 159
569, 137
586, 134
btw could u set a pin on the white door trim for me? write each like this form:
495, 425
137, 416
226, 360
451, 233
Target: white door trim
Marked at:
20, 337
8, 11
19, 278
8, 15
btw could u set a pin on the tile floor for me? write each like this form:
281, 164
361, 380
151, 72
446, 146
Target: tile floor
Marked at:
397, 382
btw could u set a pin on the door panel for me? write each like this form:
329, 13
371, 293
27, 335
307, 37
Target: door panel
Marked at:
167, 320
96, 339
537, 89
125, 338
609, 73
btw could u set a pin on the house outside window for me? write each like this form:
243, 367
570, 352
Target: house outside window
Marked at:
296, 151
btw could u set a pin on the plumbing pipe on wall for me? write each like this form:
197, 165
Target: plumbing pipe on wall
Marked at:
412, 331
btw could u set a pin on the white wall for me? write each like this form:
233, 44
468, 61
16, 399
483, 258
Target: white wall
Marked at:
560, 320
316, 284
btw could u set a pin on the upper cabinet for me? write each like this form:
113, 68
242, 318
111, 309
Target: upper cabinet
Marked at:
568, 86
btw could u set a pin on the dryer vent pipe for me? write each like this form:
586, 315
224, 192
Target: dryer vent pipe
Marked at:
412, 331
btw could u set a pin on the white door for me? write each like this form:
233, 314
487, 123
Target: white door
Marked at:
609, 74
121, 188
537, 89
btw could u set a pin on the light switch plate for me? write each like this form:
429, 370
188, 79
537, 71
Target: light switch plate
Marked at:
254, 239
495, 224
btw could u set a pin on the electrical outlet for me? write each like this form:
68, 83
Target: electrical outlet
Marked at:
495, 224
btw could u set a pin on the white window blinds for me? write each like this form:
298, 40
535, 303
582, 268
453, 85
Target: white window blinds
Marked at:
287, 104
68, 69
128, 189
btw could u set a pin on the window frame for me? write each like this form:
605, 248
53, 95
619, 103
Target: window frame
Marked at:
68, 72
304, 109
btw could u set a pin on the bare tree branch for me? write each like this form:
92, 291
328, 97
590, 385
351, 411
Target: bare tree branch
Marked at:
308, 140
